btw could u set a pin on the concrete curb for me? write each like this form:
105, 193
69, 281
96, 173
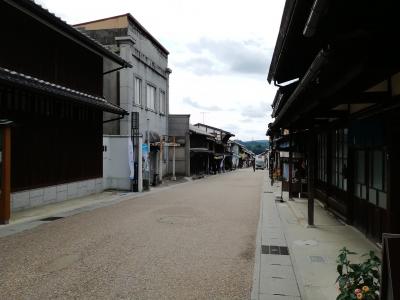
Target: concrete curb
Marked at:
257, 255
274, 276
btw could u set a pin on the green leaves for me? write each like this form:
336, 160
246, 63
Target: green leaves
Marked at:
362, 278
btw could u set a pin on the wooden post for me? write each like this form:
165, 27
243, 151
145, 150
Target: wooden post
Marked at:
140, 163
290, 164
173, 159
5, 211
390, 272
310, 176
160, 171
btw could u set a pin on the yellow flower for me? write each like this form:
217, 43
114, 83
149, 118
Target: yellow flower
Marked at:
359, 296
365, 289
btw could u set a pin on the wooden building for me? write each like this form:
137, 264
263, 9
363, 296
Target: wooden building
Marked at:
337, 65
221, 155
51, 107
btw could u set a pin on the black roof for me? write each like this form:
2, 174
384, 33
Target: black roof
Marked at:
29, 82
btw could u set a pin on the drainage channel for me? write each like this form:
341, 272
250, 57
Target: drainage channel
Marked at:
277, 250
49, 219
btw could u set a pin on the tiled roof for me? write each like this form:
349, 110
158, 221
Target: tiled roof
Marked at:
58, 90
32, 7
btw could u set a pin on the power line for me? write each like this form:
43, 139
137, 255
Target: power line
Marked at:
203, 113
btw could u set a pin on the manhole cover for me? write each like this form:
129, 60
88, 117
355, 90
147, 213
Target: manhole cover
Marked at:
317, 259
49, 219
305, 243
186, 220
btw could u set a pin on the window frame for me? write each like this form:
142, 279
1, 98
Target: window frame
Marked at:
140, 103
339, 158
163, 104
377, 195
149, 85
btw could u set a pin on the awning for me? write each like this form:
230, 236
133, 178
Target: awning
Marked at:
28, 82
154, 137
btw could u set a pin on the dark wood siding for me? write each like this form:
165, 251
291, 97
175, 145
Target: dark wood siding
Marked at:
29, 47
53, 141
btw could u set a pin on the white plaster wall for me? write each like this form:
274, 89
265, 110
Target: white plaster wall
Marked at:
57, 193
115, 163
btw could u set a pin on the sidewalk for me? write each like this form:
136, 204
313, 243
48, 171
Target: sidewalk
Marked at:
31, 218
306, 269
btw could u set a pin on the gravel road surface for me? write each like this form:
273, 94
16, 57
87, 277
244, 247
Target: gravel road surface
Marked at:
192, 241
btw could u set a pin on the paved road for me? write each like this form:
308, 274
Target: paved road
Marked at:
193, 241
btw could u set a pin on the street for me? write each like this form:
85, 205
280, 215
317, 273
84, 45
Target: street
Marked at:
193, 241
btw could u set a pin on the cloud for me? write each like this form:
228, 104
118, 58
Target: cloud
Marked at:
259, 111
196, 104
232, 128
200, 66
227, 56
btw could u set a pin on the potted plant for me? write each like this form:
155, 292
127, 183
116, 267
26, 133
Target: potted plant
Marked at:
358, 281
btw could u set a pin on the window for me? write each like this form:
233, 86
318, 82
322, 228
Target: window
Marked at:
339, 159
377, 178
138, 91
162, 102
321, 156
359, 180
151, 97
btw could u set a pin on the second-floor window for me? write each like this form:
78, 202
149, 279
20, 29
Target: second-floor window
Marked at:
163, 103
138, 91
151, 97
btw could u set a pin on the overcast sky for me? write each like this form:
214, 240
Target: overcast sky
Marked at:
220, 51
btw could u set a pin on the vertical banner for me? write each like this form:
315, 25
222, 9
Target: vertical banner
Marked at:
145, 158
131, 160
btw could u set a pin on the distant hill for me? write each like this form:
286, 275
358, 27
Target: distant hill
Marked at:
257, 146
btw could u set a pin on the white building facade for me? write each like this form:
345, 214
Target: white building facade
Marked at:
143, 91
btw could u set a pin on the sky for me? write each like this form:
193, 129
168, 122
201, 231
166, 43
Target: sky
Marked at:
220, 52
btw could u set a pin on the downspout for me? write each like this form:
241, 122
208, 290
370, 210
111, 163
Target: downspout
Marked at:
114, 70
114, 119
